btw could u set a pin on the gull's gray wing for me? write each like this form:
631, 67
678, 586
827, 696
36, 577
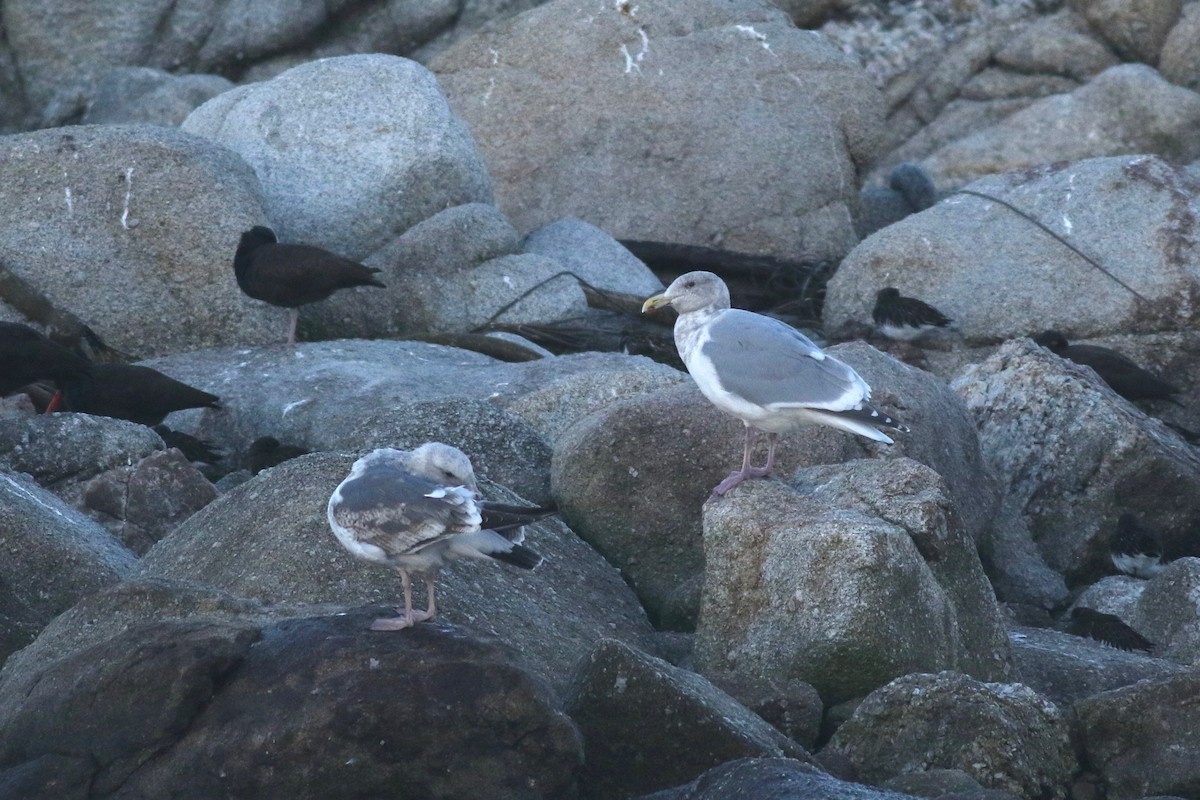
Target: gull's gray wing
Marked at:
399, 513
770, 363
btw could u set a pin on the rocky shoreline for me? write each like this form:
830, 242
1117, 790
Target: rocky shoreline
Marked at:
873, 622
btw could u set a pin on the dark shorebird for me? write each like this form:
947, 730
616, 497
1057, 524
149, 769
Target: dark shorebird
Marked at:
193, 447
1135, 548
293, 275
414, 511
1124, 376
763, 371
132, 392
26, 356
267, 451
1107, 628
905, 318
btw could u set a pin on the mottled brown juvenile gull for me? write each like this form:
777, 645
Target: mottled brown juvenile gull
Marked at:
763, 371
415, 510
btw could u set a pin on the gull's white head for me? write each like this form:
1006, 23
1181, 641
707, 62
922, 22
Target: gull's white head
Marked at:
692, 292
439, 462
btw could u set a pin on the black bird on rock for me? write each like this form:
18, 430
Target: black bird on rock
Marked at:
267, 451
132, 392
905, 318
293, 275
1107, 628
1135, 548
27, 356
1124, 376
193, 447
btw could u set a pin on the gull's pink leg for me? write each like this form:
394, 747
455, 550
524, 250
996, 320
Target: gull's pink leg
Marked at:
431, 611
409, 617
294, 319
748, 471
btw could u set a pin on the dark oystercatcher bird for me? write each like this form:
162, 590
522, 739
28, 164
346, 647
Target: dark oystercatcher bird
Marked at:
267, 451
905, 318
1107, 628
1124, 376
763, 371
293, 275
193, 447
414, 511
1135, 548
132, 392
27, 356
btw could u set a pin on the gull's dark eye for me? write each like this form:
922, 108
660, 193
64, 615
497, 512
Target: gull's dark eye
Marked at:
690, 285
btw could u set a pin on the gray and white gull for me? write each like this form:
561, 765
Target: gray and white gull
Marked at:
763, 371
415, 510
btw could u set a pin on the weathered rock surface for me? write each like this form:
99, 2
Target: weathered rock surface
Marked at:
590, 111
1141, 739
1136, 31
114, 471
1073, 455
143, 95
93, 223
59, 67
1003, 735
145, 501
1167, 611
53, 555
198, 698
788, 592
771, 779
623, 700
1180, 58
351, 151
998, 277
61, 448
594, 256
1128, 109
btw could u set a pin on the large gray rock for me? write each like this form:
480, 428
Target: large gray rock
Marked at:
1001, 734
1135, 30
1143, 739
109, 222
350, 151
133, 713
624, 701
1180, 59
64, 448
594, 256
143, 95
1073, 456
771, 779
980, 263
53, 555
1167, 611
269, 540
59, 66
591, 111
793, 588
1127, 109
